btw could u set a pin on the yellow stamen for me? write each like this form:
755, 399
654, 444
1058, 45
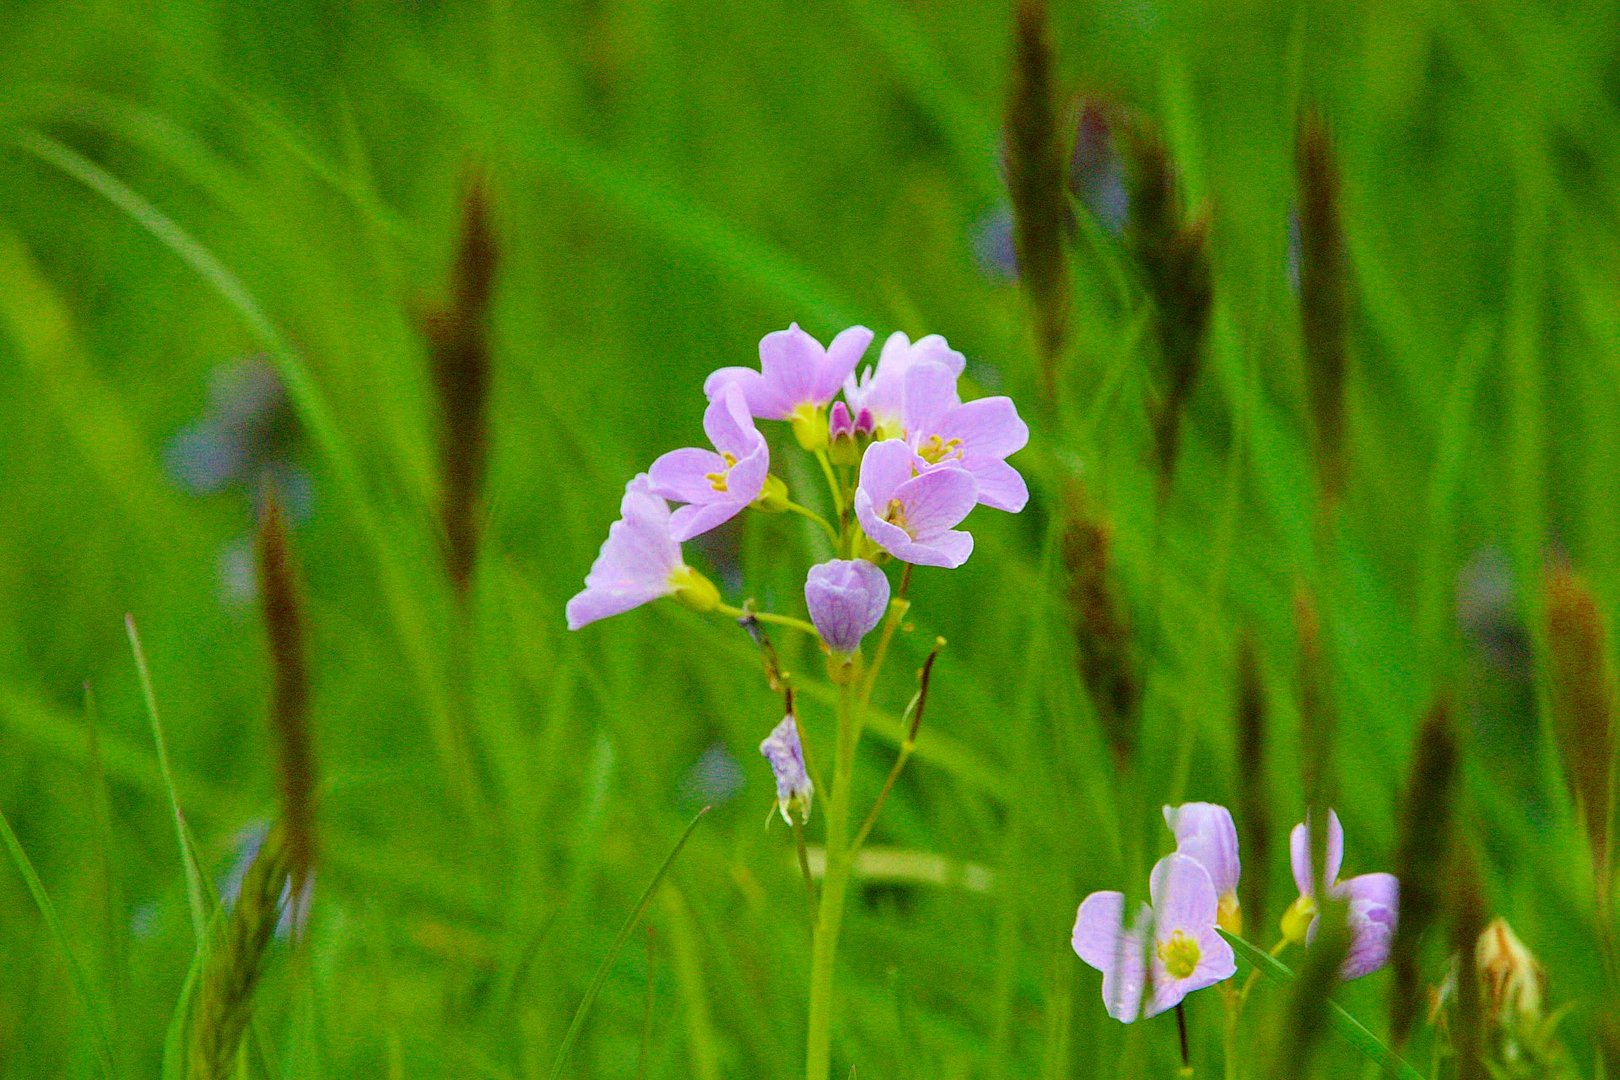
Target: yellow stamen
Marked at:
896, 515
1179, 954
717, 480
936, 449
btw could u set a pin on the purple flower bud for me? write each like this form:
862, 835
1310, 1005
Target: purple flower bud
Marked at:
865, 425
847, 599
786, 755
839, 422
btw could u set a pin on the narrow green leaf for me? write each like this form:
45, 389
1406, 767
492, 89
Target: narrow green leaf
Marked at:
188, 855
81, 982
618, 943
1353, 1031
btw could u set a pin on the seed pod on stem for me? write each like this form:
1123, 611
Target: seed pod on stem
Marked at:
1037, 182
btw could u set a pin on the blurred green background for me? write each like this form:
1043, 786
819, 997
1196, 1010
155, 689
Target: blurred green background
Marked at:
185, 184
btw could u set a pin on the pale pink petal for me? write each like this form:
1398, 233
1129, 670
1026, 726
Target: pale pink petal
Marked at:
935, 349
884, 467
884, 534
593, 604
1001, 487
930, 393
988, 427
1299, 851
1374, 901
699, 518
728, 423
791, 361
839, 362
947, 549
1183, 896
682, 475
937, 500
1206, 834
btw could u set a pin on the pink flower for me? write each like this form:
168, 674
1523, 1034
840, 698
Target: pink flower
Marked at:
976, 436
913, 517
715, 484
639, 562
796, 378
847, 599
1206, 834
1374, 900
1187, 952
881, 390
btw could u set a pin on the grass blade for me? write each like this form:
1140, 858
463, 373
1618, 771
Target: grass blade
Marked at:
195, 894
601, 975
1353, 1031
81, 982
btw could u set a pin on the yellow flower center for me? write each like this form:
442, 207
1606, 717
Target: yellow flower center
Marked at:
1229, 916
936, 449
1179, 953
896, 515
717, 480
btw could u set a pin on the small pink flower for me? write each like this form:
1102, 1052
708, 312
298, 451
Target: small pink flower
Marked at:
881, 390
1374, 899
1206, 834
639, 562
1187, 953
715, 484
976, 436
796, 375
912, 517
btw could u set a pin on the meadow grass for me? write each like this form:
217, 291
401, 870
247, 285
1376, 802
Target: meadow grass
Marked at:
183, 184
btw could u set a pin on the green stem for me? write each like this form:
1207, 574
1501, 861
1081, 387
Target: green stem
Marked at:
804, 867
767, 617
805, 511
834, 887
833, 485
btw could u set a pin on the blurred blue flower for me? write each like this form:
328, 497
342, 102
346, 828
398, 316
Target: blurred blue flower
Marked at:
715, 777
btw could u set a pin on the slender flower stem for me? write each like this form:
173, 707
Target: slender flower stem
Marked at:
768, 617
833, 485
907, 745
1181, 1028
804, 866
805, 511
834, 886
897, 611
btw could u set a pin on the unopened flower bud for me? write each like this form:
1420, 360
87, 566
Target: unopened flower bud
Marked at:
841, 444
847, 599
1513, 980
694, 590
786, 755
773, 497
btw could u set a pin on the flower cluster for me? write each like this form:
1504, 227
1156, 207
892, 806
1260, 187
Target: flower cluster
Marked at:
906, 460
1174, 945
923, 459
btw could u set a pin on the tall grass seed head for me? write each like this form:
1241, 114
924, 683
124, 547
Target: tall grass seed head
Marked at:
1170, 950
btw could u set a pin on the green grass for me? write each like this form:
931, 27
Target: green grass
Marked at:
184, 183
